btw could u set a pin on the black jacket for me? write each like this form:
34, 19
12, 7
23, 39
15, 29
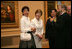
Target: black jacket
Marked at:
50, 31
63, 27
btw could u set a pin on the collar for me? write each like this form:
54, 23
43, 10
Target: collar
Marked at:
36, 19
25, 17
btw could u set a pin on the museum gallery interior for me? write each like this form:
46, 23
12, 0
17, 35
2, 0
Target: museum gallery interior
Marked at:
10, 22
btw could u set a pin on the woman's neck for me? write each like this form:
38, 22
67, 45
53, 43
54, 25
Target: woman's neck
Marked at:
38, 19
25, 15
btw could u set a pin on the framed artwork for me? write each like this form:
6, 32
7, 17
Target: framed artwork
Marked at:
9, 14
66, 3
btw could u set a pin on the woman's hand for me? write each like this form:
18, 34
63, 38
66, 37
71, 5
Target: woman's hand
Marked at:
40, 36
33, 29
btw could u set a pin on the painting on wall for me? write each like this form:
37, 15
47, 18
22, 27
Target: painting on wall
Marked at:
9, 14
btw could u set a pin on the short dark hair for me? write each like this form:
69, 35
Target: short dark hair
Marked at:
49, 12
25, 7
38, 11
54, 10
64, 6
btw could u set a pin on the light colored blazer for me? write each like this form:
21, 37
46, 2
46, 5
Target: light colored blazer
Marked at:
25, 27
39, 30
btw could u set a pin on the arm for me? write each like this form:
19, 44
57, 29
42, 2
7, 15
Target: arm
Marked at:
47, 29
33, 27
32, 24
40, 35
42, 31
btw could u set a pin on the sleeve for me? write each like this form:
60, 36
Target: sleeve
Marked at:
32, 24
46, 29
42, 32
24, 27
60, 23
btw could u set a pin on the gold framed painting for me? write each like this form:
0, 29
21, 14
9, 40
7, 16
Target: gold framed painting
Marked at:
9, 14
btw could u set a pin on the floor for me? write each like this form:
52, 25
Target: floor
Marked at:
45, 44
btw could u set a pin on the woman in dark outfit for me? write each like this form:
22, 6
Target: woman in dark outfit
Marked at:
50, 29
26, 30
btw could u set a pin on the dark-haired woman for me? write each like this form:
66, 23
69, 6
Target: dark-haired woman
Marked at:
26, 38
50, 32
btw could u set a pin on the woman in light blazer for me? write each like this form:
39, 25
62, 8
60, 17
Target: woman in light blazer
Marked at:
26, 30
38, 24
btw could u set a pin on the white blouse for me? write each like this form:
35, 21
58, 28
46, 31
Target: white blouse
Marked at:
39, 30
38, 25
25, 24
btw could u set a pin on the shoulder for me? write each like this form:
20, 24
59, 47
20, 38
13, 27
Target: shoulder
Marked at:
41, 20
29, 18
33, 20
22, 18
65, 14
48, 19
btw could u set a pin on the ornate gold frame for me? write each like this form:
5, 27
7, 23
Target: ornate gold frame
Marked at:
16, 24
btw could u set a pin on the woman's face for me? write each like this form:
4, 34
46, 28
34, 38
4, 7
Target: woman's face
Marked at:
38, 15
69, 10
59, 7
26, 12
53, 13
8, 7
